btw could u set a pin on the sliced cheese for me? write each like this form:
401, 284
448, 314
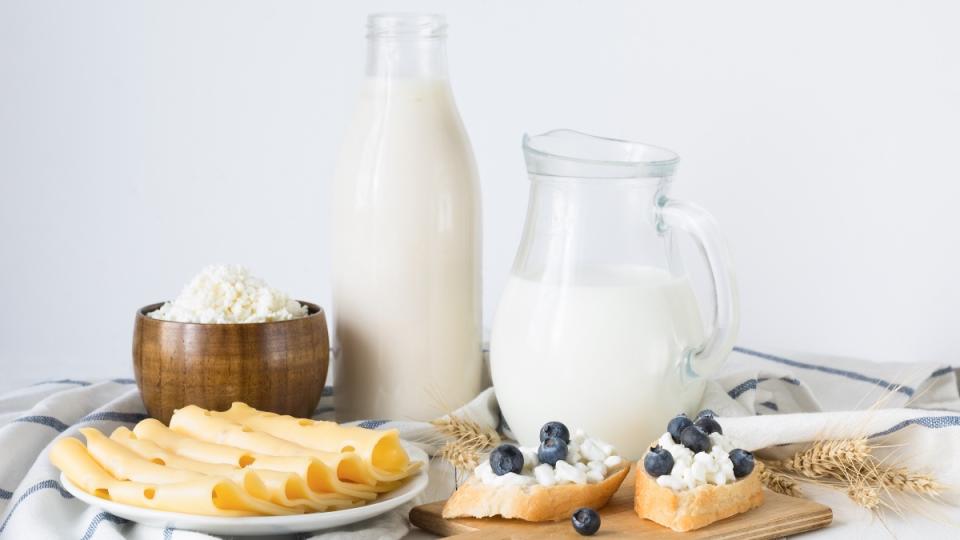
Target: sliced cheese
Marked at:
240, 462
381, 450
206, 495
315, 473
71, 457
154, 430
152, 451
123, 464
284, 488
200, 424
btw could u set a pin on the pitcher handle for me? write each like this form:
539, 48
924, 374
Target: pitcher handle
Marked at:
702, 227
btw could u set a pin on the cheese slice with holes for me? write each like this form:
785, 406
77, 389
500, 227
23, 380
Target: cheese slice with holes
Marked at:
236, 463
380, 449
206, 495
284, 488
315, 473
200, 424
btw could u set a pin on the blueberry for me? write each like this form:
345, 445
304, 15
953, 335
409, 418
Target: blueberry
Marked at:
706, 413
551, 451
677, 425
556, 430
586, 521
506, 459
742, 462
708, 425
695, 439
658, 461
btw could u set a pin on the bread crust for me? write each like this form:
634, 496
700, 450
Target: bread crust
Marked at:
695, 508
531, 502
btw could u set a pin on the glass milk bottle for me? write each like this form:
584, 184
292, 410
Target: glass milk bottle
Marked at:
598, 326
406, 235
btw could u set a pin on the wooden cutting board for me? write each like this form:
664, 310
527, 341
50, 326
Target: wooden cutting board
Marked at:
779, 516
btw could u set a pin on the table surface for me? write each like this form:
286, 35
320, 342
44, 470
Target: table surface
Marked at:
921, 519
850, 521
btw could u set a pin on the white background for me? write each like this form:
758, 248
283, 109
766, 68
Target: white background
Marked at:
142, 141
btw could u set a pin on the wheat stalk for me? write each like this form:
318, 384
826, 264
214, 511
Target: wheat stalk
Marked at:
903, 480
852, 466
865, 495
825, 458
778, 482
468, 441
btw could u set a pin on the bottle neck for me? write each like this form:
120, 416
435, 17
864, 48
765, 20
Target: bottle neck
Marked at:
406, 46
406, 58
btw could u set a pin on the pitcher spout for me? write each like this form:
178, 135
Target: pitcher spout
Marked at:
568, 153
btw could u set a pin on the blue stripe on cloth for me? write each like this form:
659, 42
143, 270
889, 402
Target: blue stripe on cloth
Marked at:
48, 421
833, 371
785, 379
45, 484
97, 519
770, 405
932, 422
111, 416
942, 371
327, 391
4, 494
372, 424
82, 383
736, 391
64, 381
106, 416
167, 533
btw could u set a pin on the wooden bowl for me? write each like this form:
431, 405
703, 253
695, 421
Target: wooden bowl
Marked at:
274, 366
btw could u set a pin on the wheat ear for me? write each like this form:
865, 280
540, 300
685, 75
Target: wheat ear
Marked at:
468, 441
778, 482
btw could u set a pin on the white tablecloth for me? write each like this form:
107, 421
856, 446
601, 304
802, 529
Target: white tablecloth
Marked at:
763, 399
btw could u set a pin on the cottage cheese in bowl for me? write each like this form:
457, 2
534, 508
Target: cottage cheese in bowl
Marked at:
225, 294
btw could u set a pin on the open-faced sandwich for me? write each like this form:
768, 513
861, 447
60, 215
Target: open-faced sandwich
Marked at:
693, 475
564, 474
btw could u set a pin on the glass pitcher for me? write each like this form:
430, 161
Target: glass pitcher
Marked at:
598, 326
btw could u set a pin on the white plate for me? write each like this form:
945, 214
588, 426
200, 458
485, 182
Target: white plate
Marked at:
263, 525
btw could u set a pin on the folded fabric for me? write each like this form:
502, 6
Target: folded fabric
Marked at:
780, 402
33, 503
765, 400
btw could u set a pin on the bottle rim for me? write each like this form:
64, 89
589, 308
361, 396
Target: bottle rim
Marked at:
406, 25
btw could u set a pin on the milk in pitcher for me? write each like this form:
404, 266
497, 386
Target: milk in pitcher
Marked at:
564, 353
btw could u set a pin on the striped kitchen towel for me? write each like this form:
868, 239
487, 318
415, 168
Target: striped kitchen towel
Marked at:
33, 503
765, 400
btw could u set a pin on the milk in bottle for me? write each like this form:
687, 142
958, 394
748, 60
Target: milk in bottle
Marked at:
406, 235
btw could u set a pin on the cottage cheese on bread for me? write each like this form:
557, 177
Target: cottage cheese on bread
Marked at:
588, 461
566, 473
692, 470
693, 476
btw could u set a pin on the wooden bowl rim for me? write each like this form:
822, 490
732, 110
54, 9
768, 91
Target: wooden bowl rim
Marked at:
313, 311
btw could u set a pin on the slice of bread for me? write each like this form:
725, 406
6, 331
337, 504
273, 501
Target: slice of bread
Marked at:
695, 508
530, 502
